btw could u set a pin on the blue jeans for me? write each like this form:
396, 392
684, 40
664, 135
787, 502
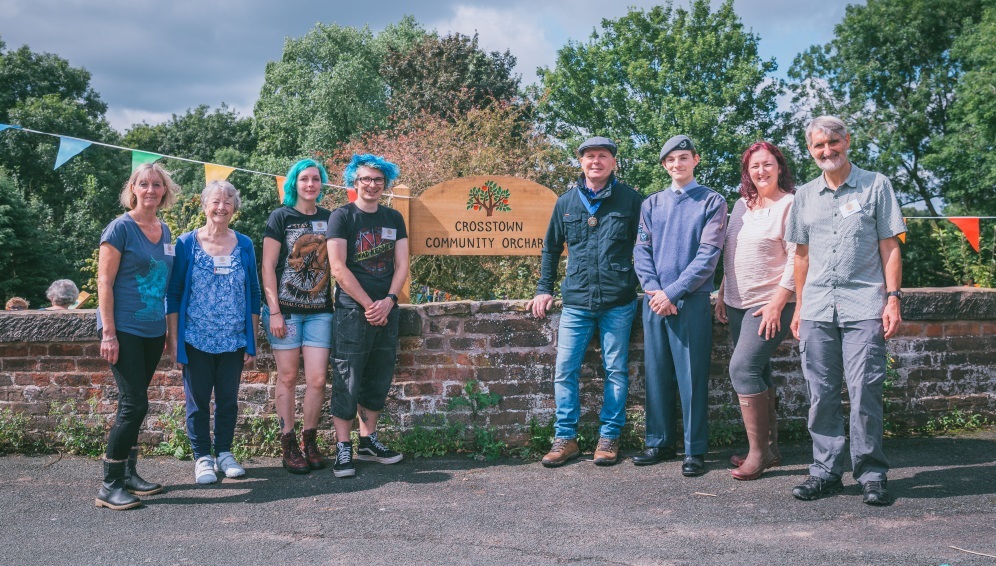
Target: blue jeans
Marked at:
576, 329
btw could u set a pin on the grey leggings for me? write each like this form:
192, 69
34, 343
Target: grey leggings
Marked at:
750, 364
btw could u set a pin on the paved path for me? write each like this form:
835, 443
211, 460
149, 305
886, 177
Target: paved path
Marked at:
457, 510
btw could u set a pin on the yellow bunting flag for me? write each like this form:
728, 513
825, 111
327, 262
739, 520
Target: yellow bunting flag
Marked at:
902, 237
280, 187
142, 157
214, 172
969, 227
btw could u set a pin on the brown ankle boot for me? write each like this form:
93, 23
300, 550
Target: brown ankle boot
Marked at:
309, 439
755, 412
294, 461
738, 459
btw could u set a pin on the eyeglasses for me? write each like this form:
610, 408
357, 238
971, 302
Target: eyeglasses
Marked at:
379, 181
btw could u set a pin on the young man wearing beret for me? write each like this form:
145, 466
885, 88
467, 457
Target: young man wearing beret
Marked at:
681, 235
597, 219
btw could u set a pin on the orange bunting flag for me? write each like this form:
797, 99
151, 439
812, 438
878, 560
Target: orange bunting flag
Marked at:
351, 195
214, 172
280, 187
902, 237
970, 227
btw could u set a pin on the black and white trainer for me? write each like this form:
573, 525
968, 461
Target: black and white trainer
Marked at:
343, 466
373, 450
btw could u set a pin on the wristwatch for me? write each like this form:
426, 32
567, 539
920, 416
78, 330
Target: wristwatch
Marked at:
393, 297
896, 294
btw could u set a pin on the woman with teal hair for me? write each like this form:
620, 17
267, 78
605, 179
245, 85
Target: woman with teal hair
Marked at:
297, 313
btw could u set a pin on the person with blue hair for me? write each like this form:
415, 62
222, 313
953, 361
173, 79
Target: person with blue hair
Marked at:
297, 315
368, 255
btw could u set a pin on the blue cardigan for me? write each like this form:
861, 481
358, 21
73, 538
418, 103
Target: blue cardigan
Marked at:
178, 290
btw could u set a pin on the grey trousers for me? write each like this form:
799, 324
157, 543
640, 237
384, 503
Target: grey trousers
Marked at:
750, 364
851, 353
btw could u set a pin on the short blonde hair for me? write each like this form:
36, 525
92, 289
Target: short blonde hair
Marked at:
128, 198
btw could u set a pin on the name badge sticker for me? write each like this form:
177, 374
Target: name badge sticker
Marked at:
169, 250
222, 264
850, 207
319, 226
389, 233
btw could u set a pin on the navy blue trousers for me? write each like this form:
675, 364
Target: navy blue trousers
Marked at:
204, 373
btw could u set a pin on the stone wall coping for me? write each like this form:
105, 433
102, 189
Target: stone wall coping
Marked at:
935, 303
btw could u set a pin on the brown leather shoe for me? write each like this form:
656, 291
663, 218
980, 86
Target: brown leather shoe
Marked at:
309, 440
294, 461
607, 452
562, 451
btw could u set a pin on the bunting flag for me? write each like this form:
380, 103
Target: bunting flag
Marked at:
351, 195
5, 126
902, 237
280, 187
139, 158
68, 149
214, 172
970, 227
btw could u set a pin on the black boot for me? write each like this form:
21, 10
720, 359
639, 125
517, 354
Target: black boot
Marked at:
112, 493
133, 482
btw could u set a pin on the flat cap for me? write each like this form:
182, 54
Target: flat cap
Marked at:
676, 143
598, 141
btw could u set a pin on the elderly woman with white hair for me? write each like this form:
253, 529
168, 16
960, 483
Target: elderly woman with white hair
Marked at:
62, 294
212, 307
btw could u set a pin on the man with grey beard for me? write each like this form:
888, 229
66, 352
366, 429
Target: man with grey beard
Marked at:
848, 272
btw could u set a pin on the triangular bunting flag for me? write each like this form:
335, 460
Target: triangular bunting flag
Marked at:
969, 227
351, 195
214, 172
69, 148
902, 237
5, 126
280, 187
142, 157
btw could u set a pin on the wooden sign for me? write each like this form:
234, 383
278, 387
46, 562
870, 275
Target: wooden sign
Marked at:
484, 215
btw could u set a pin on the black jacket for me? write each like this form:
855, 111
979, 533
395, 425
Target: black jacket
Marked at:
600, 271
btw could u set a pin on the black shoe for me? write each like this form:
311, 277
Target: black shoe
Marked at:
372, 450
134, 482
654, 455
112, 493
876, 493
343, 467
693, 466
815, 488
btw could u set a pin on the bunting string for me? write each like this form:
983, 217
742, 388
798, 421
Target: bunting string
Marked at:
69, 147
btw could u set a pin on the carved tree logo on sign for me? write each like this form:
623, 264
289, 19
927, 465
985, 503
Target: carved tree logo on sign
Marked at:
489, 197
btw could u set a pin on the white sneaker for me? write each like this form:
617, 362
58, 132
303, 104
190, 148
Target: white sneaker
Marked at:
227, 465
204, 470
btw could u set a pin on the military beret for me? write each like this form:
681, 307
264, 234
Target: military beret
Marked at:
598, 141
676, 143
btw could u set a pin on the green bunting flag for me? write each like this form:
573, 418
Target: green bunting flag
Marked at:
142, 157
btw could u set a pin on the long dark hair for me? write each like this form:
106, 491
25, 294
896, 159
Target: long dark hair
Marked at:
747, 188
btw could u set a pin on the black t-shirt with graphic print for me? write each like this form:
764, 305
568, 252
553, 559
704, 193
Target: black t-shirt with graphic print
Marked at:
370, 239
303, 278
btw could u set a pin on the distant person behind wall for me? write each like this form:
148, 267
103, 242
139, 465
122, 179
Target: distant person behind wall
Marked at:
17, 304
62, 294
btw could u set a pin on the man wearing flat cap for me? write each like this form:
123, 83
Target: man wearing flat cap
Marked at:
598, 220
680, 238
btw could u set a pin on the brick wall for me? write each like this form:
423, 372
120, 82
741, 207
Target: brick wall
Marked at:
944, 356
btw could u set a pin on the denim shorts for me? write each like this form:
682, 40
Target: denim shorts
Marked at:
314, 330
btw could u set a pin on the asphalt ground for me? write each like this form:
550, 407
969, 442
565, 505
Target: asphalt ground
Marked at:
457, 510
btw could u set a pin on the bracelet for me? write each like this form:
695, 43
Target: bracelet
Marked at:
111, 339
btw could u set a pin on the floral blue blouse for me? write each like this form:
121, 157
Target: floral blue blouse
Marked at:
216, 321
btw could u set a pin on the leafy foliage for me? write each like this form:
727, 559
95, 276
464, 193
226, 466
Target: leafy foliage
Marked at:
650, 75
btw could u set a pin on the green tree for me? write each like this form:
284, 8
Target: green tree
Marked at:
447, 77
29, 257
891, 74
653, 74
327, 87
967, 160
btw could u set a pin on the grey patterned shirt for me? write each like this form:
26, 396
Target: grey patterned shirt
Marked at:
842, 229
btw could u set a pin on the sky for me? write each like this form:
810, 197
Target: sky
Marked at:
152, 59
